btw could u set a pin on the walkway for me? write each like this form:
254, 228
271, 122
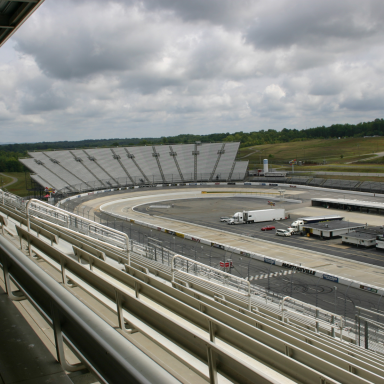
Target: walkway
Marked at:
14, 180
378, 154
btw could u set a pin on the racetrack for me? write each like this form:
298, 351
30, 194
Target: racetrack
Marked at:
301, 286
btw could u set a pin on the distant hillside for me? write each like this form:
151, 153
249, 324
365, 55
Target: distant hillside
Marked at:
9, 153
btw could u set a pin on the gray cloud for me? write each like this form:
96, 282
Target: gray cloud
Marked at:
92, 68
308, 23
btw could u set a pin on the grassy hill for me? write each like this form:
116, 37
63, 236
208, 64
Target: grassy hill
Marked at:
320, 154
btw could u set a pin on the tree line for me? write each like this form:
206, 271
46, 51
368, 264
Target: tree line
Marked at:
10, 153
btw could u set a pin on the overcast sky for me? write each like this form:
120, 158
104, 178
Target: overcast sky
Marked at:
115, 69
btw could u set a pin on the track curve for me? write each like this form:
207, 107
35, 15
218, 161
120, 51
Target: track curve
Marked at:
328, 264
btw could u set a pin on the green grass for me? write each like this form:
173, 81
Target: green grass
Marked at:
18, 188
316, 150
4, 180
335, 153
377, 160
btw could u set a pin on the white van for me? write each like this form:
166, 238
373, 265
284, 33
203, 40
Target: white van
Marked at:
283, 232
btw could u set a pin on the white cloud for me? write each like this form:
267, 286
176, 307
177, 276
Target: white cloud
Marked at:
99, 69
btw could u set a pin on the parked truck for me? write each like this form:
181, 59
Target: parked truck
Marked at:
298, 225
248, 217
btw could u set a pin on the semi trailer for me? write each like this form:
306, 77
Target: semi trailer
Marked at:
248, 217
298, 225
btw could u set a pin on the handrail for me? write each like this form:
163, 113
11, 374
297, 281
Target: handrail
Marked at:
375, 323
334, 315
85, 330
368, 310
68, 214
173, 269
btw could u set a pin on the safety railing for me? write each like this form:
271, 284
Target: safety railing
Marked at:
75, 322
69, 220
333, 317
15, 201
369, 330
214, 275
276, 350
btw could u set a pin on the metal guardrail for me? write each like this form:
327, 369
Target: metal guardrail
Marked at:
369, 332
84, 330
213, 273
252, 341
206, 350
70, 220
331, 324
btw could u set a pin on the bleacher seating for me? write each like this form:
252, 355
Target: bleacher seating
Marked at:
87, 169
299, 180
284, 350
341, 184
372, 186
168, 164
226, 162
185, 159
239, 169
316, 181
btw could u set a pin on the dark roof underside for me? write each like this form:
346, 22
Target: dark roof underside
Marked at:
13, 14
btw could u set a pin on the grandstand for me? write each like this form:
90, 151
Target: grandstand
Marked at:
162, 318
80, 298
90, 169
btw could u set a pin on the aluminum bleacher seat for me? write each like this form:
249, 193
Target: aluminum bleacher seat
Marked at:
372, 186
226, 161
44, 173
51, 162
342, 184
293, 347
128, 163
92, 165
104, 158
87, 169
299, 180
316, 181
67, 160
40, 180
168, 164
206, 160
239, 170
185, 159
146, 161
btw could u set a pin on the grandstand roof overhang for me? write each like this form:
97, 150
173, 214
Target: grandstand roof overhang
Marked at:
13, 13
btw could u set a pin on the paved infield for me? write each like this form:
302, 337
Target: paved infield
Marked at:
207, 212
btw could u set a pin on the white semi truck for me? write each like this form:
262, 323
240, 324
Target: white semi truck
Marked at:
248, 217
298, 225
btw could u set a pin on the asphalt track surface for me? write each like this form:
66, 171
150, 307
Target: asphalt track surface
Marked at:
208, 212
307, 288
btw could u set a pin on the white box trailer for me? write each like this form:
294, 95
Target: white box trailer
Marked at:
299, 223
248, 217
